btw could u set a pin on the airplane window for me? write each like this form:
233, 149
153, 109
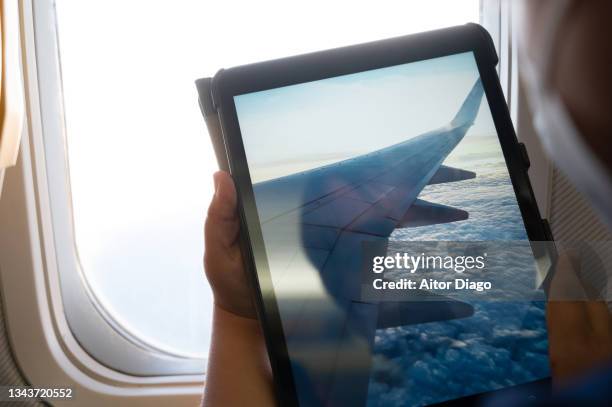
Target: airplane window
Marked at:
139, 156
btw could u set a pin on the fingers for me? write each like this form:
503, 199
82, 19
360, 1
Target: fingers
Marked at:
223, 204
221, 228
222, 257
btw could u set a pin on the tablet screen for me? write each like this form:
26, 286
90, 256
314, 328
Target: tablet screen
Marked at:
349, 173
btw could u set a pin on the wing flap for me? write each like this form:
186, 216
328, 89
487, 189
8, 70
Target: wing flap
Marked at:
393, 314
450, 174
423, 213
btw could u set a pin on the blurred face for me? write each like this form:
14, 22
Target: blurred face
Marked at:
567, 65
569, 43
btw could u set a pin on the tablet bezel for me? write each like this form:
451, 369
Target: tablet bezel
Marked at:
336, 62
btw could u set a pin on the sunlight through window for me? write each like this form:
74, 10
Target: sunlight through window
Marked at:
140, 160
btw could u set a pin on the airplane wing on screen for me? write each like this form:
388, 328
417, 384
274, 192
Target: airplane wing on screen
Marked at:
315, 223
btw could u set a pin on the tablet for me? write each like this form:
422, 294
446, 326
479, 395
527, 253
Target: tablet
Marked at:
352, 167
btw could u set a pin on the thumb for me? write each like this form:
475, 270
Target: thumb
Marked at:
222, 220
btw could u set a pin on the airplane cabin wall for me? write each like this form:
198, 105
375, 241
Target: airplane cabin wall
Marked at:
9, 372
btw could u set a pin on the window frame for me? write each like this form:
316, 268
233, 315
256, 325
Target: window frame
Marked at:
93, 326
70, 338
48, 332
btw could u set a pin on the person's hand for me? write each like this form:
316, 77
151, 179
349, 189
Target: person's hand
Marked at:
579, 328
237, 341
222, 258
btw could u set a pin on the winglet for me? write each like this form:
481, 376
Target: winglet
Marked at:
469, 108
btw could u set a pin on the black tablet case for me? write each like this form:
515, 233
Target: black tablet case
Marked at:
205, 88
